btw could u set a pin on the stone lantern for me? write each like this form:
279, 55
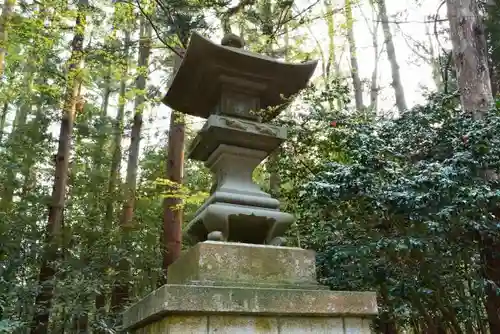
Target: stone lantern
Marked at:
238, 92
238, 278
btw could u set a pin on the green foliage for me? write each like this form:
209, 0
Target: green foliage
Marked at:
93, 245
404, 210
8, 326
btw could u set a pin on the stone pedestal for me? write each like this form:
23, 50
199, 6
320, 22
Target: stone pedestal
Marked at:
237, 210
237, 288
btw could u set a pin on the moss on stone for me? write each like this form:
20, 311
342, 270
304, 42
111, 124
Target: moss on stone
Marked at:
244, 263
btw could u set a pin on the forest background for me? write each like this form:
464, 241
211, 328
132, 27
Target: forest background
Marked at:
392, 173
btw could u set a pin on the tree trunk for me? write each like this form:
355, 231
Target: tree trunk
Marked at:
331, 41
100, 298
120, 291
114, 169
43, 299
373, 27
102, 139
172, 212
471, 63
3, 118
490, 251
374, 88
116, 158
385, 323
133, 157
171, 237
356, 81
4, 27
391, 55
470, 56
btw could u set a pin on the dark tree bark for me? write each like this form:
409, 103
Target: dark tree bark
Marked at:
171, 238
172, 212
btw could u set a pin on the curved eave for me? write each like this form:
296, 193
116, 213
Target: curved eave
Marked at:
194, 89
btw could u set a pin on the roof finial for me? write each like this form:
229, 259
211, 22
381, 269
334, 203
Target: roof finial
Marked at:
233, 40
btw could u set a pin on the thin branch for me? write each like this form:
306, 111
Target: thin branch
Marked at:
291, 18
157, 32
417, 44
435, 26
419, 22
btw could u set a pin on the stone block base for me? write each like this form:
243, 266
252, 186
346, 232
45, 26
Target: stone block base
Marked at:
240, 288
232, 324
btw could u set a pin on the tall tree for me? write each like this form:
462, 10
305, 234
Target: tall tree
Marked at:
171, 237
331, 61
172, 211
135, 138
470, 56
373, 28
120, 293
356, 81
391, 55
43, 299
116, 147
5, 20
471, 63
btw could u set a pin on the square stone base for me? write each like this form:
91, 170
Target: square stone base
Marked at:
240, 288
235, 264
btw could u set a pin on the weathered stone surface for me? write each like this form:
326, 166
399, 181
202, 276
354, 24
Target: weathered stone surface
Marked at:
196, 87
357, 326
315, 325
185, 324
210, 263
236, 324
238, 209
240, 223
243, 325
173, 298
233, 167
220, 129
